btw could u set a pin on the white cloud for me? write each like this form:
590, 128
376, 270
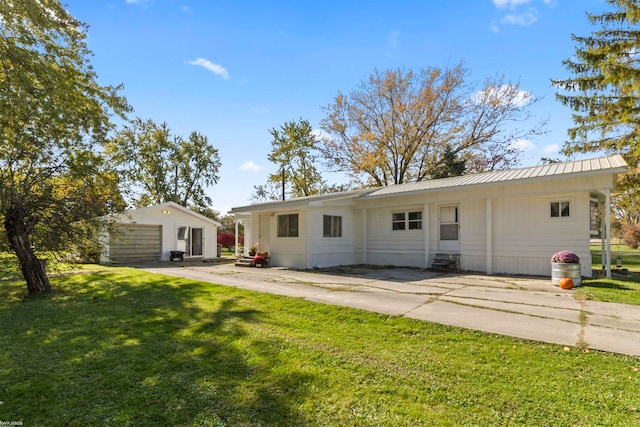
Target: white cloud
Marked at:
321, 135
521, 19
503, 94
518, 16
510, 4
551, 149
251, 167
137, 1
214, 68
522, 145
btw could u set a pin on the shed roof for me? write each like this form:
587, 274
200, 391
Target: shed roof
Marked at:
175, 206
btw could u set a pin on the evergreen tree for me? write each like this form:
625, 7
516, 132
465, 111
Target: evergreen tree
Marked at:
604, 91
450, 166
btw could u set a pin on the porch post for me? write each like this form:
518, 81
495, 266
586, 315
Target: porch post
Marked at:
364, 236
425, 226
603, 241
489, 222
236, 236
607, 203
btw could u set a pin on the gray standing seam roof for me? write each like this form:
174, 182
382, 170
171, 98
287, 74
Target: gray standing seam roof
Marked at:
611, 164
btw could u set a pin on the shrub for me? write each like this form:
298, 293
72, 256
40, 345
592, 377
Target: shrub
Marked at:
566, 257
631, 235
227, 239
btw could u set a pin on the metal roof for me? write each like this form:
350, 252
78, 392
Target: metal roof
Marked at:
611, 164
301, 201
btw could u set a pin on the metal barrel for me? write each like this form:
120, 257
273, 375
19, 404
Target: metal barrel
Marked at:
560, 270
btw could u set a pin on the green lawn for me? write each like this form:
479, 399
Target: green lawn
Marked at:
620, 288
120, 347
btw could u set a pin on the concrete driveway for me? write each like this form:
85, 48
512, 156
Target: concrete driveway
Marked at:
520, 307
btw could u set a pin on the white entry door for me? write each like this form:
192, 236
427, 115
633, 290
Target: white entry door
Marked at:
449, 228
264, 233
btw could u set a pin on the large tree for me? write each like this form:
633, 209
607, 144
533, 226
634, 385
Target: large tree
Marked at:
294, 150
158, 166
604, 93
396, 126
604, 89
53, 113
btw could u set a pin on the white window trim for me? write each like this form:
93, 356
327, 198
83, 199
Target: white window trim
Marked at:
406, 213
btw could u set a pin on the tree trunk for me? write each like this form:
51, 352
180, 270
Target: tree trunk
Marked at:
32, 268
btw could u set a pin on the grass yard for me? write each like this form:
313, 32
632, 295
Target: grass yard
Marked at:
620, 289
120, 347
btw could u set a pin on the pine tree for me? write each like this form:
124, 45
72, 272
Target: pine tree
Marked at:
604, 91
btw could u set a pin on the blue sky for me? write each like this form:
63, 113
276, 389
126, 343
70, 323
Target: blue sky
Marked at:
233, 70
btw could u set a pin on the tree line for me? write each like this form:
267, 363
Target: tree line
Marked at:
65, 166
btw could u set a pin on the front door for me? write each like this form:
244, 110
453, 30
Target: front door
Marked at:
264, 233
449, 228
196, 241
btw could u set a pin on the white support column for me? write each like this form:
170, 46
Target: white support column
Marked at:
425, 227
607, 207
364, 236
236, 223
489, 224
603, 241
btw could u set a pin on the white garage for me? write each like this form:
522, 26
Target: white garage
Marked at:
153, 233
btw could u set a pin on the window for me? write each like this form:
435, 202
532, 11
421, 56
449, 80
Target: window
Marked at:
560, 209
406, 221
398, 221
332, 226
594, 223
288, 225
415, 220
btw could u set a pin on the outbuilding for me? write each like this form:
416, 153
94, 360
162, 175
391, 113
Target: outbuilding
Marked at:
161, 233
508, 222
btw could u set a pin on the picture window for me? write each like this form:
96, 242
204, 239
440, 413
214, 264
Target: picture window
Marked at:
288, 225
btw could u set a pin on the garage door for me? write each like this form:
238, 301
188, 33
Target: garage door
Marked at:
136, 243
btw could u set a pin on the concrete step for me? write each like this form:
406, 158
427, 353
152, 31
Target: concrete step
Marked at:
244, 262
445, 261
